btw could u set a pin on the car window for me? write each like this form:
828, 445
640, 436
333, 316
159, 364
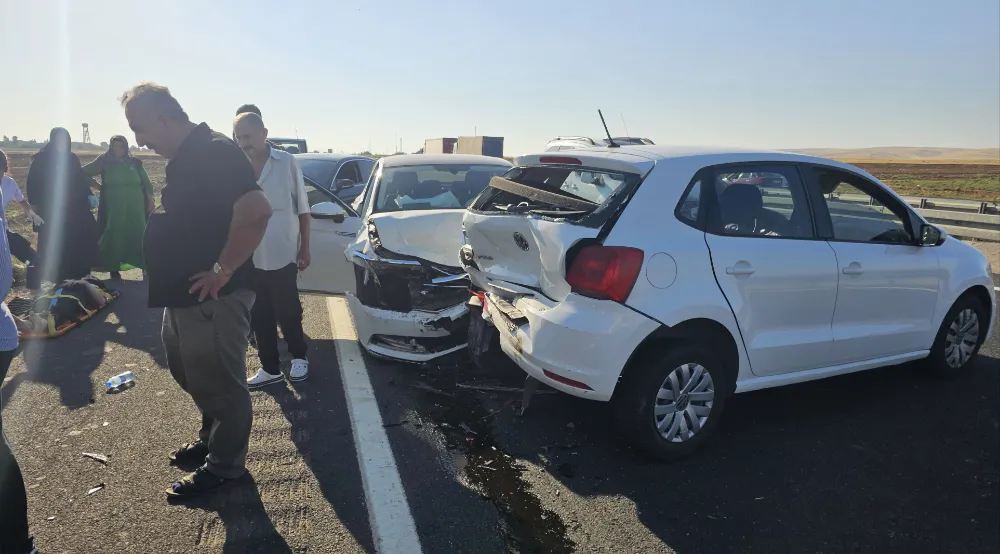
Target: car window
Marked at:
430, 187
856, 215
316, 195
688, 209
761, 202
320, 171
366, 169
349, 171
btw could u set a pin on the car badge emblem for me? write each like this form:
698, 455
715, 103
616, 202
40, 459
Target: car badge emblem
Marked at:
520, 241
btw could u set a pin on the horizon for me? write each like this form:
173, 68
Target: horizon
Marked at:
901, 73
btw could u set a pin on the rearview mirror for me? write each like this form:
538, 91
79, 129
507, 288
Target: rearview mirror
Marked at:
930, 235
342, 184
329, 210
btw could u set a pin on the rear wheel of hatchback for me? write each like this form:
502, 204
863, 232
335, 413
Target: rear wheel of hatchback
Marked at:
672, 399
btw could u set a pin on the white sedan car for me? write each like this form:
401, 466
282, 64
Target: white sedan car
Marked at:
395, 253
682, 284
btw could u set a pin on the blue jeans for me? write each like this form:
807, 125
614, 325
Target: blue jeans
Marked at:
14, 536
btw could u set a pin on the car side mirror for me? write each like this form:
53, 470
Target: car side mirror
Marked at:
342, 184
930, 235
329, 210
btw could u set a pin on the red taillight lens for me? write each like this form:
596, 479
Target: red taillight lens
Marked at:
560, 160
606, 272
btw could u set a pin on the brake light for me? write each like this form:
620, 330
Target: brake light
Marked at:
605, 272
560, 160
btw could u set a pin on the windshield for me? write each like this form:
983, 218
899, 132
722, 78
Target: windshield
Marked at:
320, 171
433, 187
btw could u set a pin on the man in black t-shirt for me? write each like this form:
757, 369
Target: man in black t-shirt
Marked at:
198, 245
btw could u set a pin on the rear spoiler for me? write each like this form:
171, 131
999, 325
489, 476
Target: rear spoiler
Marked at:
540, 195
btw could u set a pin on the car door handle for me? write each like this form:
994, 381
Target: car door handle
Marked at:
347, 233
741, 268
853, 269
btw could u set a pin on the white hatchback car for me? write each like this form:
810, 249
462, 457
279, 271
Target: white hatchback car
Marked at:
669, 284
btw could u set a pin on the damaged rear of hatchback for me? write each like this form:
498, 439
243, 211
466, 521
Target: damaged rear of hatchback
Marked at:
411, 300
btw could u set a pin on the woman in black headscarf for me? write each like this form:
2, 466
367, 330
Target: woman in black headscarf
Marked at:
59, 192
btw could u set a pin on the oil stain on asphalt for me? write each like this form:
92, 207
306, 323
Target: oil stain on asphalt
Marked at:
497, 476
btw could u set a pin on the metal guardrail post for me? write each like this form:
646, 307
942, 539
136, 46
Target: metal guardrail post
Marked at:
982, 207
923, 203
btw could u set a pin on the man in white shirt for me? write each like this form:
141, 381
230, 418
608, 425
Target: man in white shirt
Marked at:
282, 253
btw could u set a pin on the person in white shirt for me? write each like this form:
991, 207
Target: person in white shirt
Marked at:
20, 247
282, 253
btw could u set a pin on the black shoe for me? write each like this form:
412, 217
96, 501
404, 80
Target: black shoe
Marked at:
198, 483
191, 453
116, 275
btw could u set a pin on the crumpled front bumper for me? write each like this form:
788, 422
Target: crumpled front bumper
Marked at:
417, 336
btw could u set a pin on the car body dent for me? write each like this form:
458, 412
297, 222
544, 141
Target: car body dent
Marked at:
542, 265
434, 235
409, 242
575, 338
371, 322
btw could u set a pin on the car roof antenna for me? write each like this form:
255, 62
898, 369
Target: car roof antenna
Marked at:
611, 142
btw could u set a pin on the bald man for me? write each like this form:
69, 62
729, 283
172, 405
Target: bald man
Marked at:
281, 255
198, 245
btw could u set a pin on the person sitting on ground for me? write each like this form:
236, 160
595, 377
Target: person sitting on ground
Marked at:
20, 247
126, 202
60, 193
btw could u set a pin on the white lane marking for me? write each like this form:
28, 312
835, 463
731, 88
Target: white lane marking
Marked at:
393, 530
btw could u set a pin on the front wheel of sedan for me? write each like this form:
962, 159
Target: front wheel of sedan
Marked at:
672, 400
958, 340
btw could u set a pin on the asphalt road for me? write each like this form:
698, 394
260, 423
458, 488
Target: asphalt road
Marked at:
883, 461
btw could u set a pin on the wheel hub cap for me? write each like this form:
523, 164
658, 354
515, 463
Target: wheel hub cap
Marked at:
683, 402
962, 339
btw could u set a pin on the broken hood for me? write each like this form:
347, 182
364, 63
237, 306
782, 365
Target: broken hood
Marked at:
434, 235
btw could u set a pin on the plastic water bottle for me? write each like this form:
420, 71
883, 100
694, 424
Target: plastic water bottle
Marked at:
120, 381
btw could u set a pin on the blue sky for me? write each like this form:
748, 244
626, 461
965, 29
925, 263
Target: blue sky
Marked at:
346, 75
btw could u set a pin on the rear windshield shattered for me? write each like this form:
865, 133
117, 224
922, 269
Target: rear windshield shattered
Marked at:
557, 191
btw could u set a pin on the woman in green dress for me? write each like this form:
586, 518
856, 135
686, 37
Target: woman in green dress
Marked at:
126, 202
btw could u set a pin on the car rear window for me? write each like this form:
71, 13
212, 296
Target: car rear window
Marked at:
433, 187
573, 193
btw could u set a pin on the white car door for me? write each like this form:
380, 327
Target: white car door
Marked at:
888, 285
333, 227
778, 277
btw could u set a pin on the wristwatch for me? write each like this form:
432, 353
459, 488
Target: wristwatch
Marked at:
219, 270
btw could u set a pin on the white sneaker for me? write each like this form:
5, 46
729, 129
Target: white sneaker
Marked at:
263, 378
299, 370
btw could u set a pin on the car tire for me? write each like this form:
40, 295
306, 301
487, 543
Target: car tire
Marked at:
962, 333
646, 408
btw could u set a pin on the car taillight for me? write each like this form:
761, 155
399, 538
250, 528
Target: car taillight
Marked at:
605, 272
